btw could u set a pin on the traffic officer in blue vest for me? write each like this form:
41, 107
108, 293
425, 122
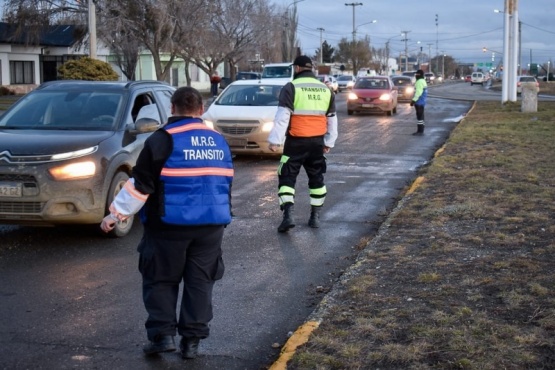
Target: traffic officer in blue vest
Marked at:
306, 124
181, 186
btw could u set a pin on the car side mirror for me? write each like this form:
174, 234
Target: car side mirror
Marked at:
145, 125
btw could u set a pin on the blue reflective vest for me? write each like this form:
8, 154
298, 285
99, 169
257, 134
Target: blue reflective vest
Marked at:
197, 176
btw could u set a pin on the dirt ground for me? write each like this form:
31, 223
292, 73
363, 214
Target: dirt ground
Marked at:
461, 274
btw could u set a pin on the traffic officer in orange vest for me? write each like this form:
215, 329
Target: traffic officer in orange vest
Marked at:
306, 124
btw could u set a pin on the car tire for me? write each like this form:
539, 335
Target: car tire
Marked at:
350, 112
395, 110
124, 227
389, 113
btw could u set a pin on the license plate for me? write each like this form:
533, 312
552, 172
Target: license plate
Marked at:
367, 105
10, 189
237, 142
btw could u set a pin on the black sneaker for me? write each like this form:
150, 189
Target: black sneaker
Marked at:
164, 344
189, 347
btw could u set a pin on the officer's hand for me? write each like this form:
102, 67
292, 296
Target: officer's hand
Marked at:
274, 147
326, 149
108, 223
412, 103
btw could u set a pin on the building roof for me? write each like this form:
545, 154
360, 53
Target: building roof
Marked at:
57, 35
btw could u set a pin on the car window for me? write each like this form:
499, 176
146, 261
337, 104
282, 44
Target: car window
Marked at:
248, 95
371, 84
68, 110
401, 81
149, 111
277, 72
344, 78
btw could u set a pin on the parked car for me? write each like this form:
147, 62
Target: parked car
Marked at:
477, 78
330, 81
468, 78
430, 77
68, 147
373, 94
345, 82
405, 87
244, 113
523, 79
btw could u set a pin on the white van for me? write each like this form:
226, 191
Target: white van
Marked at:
278, 70
477, 78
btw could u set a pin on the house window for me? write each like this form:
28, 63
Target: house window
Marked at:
22, 72
175, 79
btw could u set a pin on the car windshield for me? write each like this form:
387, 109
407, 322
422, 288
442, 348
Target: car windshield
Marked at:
527, 79
344, 78
401, 81
277, 72
374, 83
68, 110
249, 95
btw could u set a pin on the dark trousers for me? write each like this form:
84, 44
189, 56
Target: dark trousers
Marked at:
167, 258
214, 88
419, 113
309, 154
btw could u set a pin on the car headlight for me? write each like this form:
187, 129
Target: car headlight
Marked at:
73, 171
409, 90
267, 126
350, 84
209, 123
385, 97
352, 96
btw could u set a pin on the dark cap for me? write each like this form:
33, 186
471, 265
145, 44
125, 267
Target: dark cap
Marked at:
303, 61
419, 73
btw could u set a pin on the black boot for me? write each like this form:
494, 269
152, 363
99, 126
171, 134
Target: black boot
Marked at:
419, 129
314, 220
165, 343
189, 347
288, 220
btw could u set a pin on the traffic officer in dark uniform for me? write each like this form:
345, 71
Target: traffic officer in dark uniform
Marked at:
306, 124
181, 186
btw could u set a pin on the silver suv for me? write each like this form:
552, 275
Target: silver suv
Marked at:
68, 147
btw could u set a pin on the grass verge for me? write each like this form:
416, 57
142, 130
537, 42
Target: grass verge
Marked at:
463, 276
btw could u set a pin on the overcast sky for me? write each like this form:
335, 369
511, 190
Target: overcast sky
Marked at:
464, 26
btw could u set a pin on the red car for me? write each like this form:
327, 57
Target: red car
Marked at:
467, 78
373, 94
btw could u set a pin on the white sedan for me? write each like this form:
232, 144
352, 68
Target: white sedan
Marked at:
244, 113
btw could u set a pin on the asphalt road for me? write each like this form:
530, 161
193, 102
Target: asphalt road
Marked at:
71, 299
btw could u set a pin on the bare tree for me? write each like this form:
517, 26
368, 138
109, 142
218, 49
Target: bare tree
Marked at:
232, 33
357, 53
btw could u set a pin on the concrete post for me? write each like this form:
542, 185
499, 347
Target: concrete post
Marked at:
529, 97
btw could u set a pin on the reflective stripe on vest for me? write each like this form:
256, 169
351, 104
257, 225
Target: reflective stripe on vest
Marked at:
312, 100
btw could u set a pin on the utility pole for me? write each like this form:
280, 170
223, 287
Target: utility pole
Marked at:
430, 57
437, 43
406, 50
354, 29
321, 53
354, 36
92, 29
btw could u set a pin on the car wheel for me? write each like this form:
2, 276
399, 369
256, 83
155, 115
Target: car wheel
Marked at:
389, 113
395, 110
122, 228
350, 112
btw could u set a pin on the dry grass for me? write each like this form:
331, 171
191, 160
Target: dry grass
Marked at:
463, 278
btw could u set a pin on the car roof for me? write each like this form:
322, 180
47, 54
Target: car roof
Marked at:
264, 81
104, 85
401, 77
278, 64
